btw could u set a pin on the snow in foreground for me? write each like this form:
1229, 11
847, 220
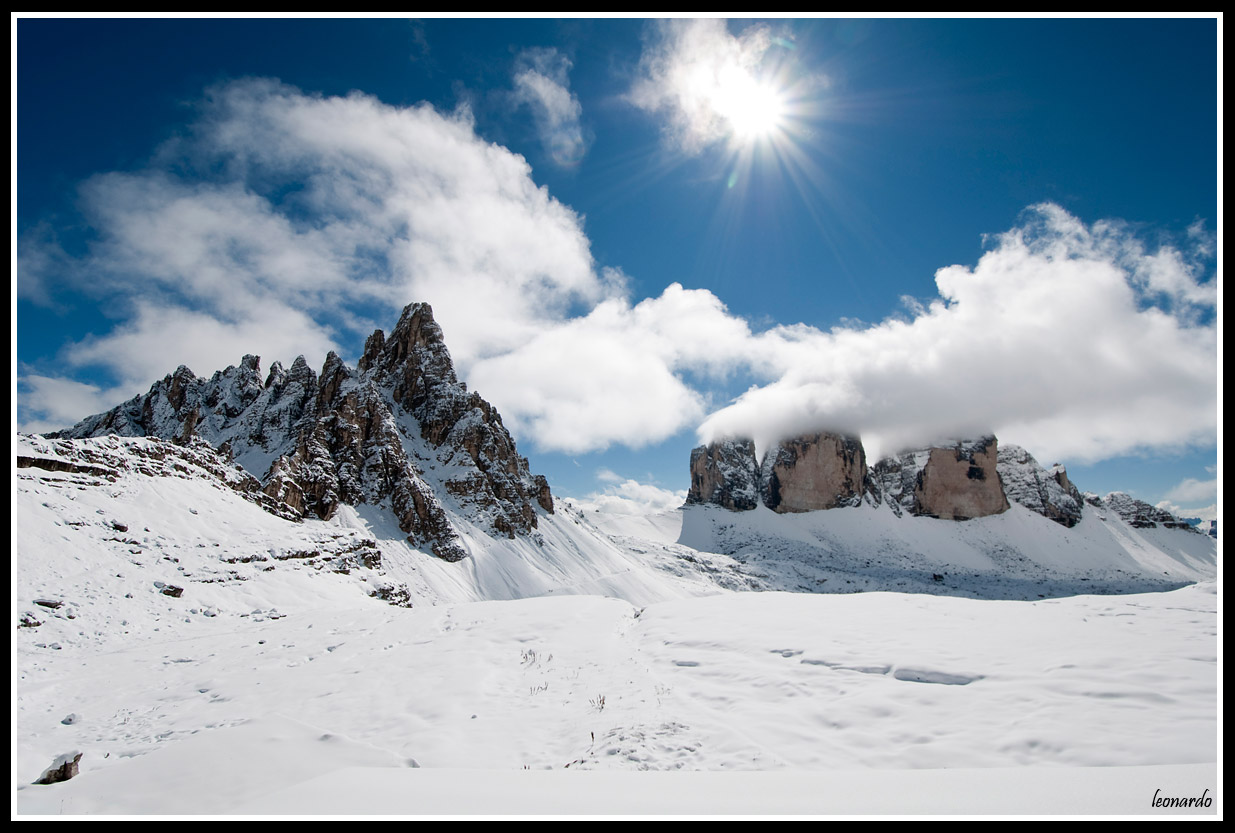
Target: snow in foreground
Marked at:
763, 681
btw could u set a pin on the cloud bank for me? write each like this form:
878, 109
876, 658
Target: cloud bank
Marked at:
283, 223
1075, 341
624, 496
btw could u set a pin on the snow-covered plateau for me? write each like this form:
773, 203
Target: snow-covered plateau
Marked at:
206, 656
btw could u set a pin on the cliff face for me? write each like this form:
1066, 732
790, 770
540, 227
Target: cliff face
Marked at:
961, 482
955, 482
1048, 492
968, 479
828, 470
818, 471
399, 430
725, 473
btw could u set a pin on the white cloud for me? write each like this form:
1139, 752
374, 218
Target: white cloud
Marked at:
630, 497
1205, 513
1054, 341
285, 223
541, 82
1191, 490
64, 401
614, 375
290, 223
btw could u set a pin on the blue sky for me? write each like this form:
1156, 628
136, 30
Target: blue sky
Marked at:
640, 233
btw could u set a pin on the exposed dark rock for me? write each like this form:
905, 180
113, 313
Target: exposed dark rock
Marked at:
828, 470
725, 473
1048, 492
61, 769
401, 428
1142, 515
962, 482
956, 482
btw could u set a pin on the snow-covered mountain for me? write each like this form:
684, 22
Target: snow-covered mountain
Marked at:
400, 431
356, 568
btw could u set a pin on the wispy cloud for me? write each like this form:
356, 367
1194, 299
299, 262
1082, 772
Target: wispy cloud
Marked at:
284, 222
64, 401
542, 83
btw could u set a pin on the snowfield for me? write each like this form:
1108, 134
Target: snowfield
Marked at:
328, 668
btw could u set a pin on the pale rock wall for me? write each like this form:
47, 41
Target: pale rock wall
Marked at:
816, 471
961, 482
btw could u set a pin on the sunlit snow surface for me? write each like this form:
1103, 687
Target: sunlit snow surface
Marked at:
279, 685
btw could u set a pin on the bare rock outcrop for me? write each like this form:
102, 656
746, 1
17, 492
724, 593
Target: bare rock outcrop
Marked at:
956, 482
817, 471
1139, 514
828, 470
725, 473
1048, 492
399, 429
962, 482
63, 768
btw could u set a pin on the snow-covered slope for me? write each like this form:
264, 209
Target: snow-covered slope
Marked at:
208, 656
1015, 555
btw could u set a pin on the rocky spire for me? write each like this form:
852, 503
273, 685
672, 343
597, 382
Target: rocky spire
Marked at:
400, 429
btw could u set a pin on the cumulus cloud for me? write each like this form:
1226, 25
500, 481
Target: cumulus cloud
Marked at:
541, 82
615, 374
1074, 341
623, 496
1204, 513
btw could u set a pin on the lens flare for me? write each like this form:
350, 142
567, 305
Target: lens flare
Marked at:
754, 109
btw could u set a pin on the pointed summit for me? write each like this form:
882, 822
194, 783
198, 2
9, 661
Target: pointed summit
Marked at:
399, 430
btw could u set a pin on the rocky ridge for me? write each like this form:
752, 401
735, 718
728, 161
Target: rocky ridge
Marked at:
399, 430
964, 480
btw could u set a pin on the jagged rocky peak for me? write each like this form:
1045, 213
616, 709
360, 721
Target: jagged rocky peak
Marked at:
814, 471
725, 473
1048, 492
1139, 514
399, 430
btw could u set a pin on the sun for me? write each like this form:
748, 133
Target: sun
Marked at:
754, 109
